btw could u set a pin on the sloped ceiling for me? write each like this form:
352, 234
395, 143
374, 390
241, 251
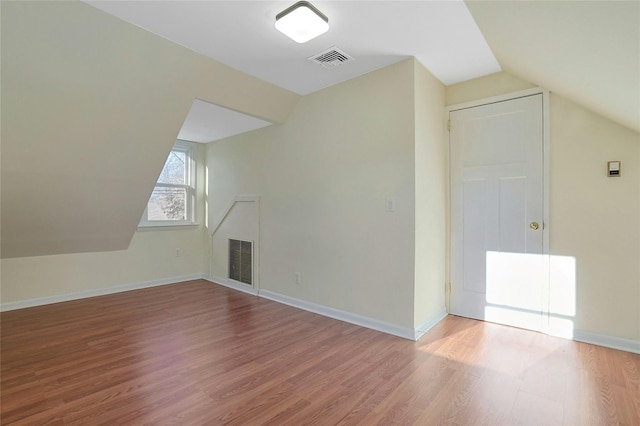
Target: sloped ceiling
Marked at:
207, 122
440, 34
91, 107
587, 51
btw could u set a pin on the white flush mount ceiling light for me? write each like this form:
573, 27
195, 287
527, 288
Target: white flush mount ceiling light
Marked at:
302, 22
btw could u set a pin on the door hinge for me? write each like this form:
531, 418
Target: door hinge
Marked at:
448, 288
449, 125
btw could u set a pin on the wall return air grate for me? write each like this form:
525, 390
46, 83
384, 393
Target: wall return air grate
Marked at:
240, 261
331, 58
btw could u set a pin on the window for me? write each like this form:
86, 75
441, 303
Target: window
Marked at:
172, 201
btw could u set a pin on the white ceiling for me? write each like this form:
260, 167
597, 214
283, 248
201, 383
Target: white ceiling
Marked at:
587, 51
207, 122
442, 35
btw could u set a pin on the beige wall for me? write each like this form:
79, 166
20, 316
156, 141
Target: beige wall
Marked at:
323, 178
496, 84
77, 109
593, 218
150, 257
431, 196
91, 106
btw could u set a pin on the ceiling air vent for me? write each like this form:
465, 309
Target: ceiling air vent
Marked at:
331, 58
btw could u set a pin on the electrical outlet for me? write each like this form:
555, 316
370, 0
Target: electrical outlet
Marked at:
298, 278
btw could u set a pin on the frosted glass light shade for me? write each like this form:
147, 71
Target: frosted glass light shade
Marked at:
302, 22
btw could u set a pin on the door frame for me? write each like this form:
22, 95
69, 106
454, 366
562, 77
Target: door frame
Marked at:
545, 181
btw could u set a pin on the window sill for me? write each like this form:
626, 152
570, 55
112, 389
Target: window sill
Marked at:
167, 227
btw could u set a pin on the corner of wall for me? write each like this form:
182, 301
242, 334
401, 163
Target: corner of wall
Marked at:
431, 199
499, 83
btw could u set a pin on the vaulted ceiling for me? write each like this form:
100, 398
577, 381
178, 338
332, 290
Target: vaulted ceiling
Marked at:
91, 104
241, 34
588, 51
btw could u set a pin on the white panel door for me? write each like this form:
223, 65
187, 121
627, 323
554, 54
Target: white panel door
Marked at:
498, 272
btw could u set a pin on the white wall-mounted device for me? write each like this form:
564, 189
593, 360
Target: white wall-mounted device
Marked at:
613, 168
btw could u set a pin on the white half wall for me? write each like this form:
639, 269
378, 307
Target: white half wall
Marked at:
150, 260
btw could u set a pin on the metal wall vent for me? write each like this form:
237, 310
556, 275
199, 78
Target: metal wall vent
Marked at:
240, 261
331, 58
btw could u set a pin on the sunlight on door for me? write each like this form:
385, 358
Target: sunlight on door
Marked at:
562, 295
515, 297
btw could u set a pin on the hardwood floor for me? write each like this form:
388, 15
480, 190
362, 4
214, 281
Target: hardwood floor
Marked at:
200, 354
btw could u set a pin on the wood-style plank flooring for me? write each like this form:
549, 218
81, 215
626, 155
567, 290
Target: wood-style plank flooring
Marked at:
200, 354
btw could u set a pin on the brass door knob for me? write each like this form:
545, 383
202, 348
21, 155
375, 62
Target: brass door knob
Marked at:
534, 226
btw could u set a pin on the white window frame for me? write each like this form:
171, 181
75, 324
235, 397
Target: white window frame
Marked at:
190, 186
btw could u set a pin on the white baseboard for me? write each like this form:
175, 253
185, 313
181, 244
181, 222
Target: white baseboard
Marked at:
226, 282
345, 316
612, 342
28, 303
385, 327
349, 317
429, 323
